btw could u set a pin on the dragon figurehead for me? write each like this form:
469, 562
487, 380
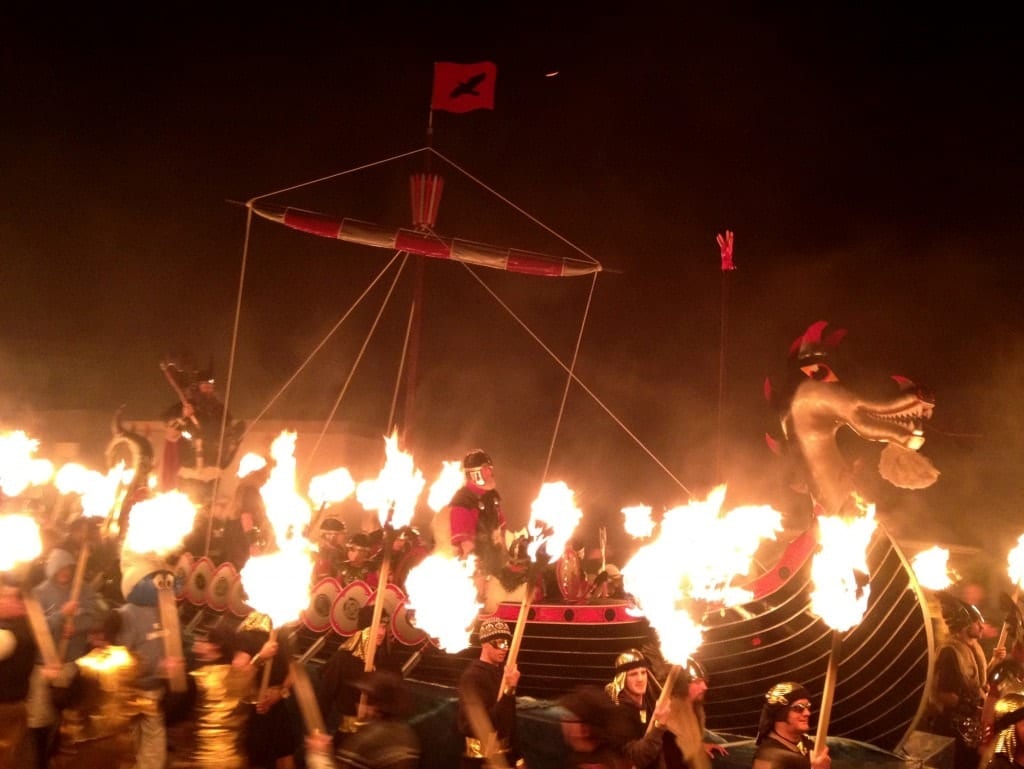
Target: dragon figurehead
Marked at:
816, 405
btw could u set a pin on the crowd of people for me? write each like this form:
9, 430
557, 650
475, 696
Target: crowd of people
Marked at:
110, 697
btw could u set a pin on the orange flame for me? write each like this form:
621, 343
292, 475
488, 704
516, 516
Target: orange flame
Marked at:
159, 524
19, 540
691, 564
638, 521
448, 482
288, 511
396, 489
17, 470
840, 571
331, 487
1015, 563
277, 584
250, 463
554, 517
442, 594
931, 567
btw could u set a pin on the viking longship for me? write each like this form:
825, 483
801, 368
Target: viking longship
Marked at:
885, 662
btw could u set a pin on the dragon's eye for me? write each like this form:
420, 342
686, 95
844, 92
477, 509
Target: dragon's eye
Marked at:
820, 371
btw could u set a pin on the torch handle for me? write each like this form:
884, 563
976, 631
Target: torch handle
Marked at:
481, 726
267, 665
305, 696
517, 634
1006, 624
41, 632
828, 695
76, 593
378, 613
172, 636
666, 692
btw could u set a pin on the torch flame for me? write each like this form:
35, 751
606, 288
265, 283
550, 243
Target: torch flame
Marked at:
277, 584
448, 482
250, 463
159, 524
441, 592
931, 567
839, 569
638, 521
396, 489
16, 471
554, 516
288, 511
690, 565
1015, 563
19, 540
331, 487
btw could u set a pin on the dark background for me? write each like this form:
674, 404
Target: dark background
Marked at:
868, 160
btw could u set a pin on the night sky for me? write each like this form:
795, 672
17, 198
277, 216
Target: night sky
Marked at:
868, 162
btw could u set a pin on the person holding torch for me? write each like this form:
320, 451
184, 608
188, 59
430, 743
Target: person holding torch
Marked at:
782, 733
488, 684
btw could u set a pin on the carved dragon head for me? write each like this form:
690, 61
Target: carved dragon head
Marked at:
817, 404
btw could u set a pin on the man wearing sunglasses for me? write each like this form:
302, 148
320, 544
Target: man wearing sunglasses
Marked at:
782, 734
488, 686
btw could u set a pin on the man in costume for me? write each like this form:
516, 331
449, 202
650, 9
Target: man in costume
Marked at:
70, 621
338, 697
1007, 748
666, 734
961, 680
194, 454
95, 728
360, 564
782, 733
384, 741
488, 686
330, 549
17, 659
477, 522
595, 730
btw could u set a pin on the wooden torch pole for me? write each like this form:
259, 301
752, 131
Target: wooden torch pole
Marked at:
828, 695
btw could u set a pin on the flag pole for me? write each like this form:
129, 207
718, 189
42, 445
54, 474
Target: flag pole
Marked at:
725, 244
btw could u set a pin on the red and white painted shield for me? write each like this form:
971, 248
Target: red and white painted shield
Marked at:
403, 625
345, 609
219, 588
182, 570
199, 581
317, 616
237, 599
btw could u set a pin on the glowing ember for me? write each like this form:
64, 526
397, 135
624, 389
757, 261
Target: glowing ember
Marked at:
448, 482
1015, 563
554, 512
289, 512
250, 463
278, 584
931, 567
19, 540
691, 564
442, 593
331, 487
840, 571
638, 521
16, 473
397, 487
159, 524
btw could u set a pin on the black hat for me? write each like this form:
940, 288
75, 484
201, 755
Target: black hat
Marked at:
385, 690
693, 671
332, 524
476, 459
360, 540
493, 629
957, 614
777, 702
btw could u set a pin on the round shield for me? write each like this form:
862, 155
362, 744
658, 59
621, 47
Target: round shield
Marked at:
403, 625
393, 597
237, 599
182, 570
198, 581
219, 587
345, 609
317, 616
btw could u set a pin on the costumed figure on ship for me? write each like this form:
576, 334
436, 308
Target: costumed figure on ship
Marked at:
202, 438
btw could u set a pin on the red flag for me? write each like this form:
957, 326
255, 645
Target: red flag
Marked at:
463, 87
